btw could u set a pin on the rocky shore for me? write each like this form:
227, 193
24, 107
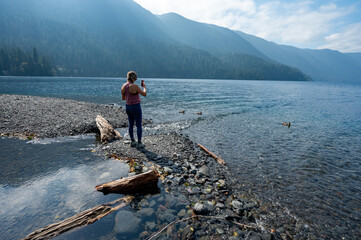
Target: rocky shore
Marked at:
197, 198
201, 196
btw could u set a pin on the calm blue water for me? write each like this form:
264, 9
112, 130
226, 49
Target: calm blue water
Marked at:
312, 169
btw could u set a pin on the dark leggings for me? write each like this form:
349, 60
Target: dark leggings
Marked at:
134, 113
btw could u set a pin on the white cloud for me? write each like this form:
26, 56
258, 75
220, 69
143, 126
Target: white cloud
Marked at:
292, 23
210, 11
345, 41
299, 23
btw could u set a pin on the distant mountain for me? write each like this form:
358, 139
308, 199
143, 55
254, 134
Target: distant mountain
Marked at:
211, 38
321, 65
355, 56
110, 37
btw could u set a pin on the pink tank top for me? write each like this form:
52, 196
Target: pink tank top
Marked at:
131, 99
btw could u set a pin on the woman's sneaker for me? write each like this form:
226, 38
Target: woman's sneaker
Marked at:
133, 144
141, 145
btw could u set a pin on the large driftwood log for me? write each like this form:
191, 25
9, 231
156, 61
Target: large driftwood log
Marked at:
107, 132
132, 184
81, 219
219, 160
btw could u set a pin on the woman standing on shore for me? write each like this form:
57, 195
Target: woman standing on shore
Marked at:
130, 93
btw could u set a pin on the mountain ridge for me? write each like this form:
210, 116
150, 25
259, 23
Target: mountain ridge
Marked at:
320, 64
207, 36
109, 38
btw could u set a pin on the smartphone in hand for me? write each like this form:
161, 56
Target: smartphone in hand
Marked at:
142, 83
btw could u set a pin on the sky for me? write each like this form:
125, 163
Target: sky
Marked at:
315, 24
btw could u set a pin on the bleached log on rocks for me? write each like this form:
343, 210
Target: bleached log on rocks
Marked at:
132, 184
107, 132
81, 219
219, 160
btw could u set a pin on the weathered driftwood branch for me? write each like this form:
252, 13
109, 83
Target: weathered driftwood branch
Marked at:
130, 184
219, 160
81, 219
107, 132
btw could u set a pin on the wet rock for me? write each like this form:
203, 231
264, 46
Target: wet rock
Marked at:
204, 170
167, 170
220, 205
219, 230
152, 203
200, 209
170, 200
237, 204
193, 171
176, 170
229, 213
179, 180
168, 217
182, 213
206, 197
200, 181
126, 222
222, 183
249, 206
188, 233
181, 202
200, 233
150, 225
144, 202
207, 190
145, 212
194, 191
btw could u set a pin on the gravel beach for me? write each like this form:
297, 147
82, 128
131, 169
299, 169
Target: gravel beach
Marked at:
202, 199
43, 117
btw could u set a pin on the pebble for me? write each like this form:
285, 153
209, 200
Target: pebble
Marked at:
182, 213
167, 170
150, 225
148, 212
222, 183
188, 233
204, 170
237, 204
200, 209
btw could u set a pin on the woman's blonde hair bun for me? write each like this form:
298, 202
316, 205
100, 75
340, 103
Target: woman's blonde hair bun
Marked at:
132, 76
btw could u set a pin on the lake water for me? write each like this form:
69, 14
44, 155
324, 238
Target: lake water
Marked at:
311, 170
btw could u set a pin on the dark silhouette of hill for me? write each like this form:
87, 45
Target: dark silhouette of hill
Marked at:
110, 37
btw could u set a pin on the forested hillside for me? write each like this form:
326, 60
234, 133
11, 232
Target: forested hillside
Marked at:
15, 62
108, 38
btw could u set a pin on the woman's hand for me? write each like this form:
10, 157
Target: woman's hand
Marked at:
140, 91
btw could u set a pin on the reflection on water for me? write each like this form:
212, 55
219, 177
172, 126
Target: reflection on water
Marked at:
42, 184
312, 169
